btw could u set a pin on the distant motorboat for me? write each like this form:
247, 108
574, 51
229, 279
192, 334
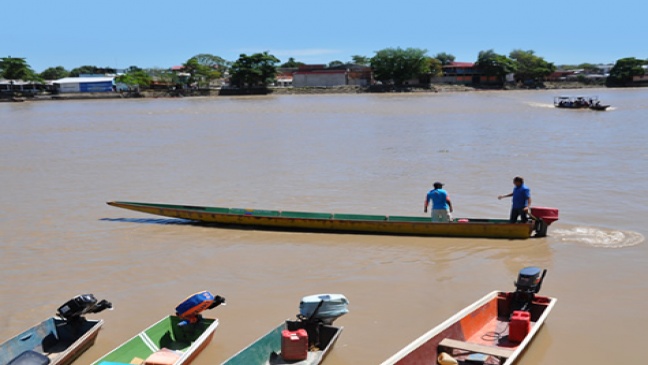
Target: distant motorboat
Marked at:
579, 102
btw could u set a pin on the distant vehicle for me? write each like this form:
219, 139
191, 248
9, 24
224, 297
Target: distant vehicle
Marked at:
579, 102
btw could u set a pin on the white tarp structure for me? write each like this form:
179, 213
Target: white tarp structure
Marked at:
84, 84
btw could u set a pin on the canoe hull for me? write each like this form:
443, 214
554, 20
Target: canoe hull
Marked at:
59, 340
327, 222
470, 326
189, 341
266, 350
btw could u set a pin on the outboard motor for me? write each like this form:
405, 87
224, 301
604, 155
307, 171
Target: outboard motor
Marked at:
191, 308
77, 307
528, 284
543, 217
323, 308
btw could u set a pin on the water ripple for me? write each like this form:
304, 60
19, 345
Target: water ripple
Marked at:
598, 237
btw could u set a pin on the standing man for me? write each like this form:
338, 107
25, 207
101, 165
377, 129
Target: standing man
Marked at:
521, 202
441, 204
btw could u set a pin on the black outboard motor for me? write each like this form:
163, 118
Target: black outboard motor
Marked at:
77, 307
527, 285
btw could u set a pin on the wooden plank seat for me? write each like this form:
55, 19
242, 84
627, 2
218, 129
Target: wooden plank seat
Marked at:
499, 352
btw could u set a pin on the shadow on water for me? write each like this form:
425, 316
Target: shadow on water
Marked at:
174, 221
183, 222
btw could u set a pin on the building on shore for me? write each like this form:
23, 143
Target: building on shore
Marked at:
323, 76
11, 87
284, 76
84, 84
464, 73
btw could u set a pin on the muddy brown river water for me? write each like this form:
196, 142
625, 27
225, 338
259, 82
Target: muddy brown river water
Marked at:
376, 154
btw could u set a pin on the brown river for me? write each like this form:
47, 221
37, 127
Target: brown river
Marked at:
376, 154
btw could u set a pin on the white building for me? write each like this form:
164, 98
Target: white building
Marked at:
84, 84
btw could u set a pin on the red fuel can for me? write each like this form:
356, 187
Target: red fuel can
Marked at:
294, 345
519, 326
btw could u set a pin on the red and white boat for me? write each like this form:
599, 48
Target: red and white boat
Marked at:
494, 330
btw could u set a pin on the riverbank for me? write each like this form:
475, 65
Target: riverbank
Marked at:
347, 89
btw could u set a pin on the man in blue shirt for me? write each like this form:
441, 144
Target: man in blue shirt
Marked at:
521, 200
441, 204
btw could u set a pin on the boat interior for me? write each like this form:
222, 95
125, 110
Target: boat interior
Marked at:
164, 336
50, 338
307, 215
482, 337
267, 349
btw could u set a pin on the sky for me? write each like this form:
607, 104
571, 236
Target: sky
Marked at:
163, 33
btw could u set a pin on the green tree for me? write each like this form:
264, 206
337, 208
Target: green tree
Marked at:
163, 75
400, 65
201, 72
258, 69
215, 62
336, 63
623, 71
436, 67
54, 73
361, 60
590, 68
135, 77
493, 64
445, 58
292, 63
15, 68
92, 70
531, 67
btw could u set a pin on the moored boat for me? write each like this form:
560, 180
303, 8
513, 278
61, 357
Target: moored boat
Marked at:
173, 340
494, 330
352, 223
60, 339
305, 341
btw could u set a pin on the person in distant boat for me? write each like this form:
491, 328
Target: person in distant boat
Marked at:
521, 202
441, 204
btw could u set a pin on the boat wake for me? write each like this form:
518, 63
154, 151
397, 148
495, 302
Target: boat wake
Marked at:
541, 105
598, 237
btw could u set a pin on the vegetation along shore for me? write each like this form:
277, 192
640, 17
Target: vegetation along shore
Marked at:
389, 70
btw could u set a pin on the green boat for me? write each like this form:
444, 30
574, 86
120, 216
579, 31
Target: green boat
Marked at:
315, 321
351, 223
175, 339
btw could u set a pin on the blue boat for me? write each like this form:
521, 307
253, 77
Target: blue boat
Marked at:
58, 340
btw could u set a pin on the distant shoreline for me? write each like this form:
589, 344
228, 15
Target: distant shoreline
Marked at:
433, 88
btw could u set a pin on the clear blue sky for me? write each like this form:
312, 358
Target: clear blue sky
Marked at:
163, 33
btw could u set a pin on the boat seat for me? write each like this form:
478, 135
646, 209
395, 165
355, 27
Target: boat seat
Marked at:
163, 356
30, 358
499, 352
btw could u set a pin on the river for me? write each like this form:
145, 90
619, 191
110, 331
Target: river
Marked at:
60, 161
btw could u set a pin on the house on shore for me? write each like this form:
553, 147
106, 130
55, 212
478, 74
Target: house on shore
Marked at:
284, 76
323, 76
10, 87
464, 73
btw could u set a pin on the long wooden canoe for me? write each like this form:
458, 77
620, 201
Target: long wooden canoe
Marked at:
166, 339
478, 332
55, 338
330, 222
267, 349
